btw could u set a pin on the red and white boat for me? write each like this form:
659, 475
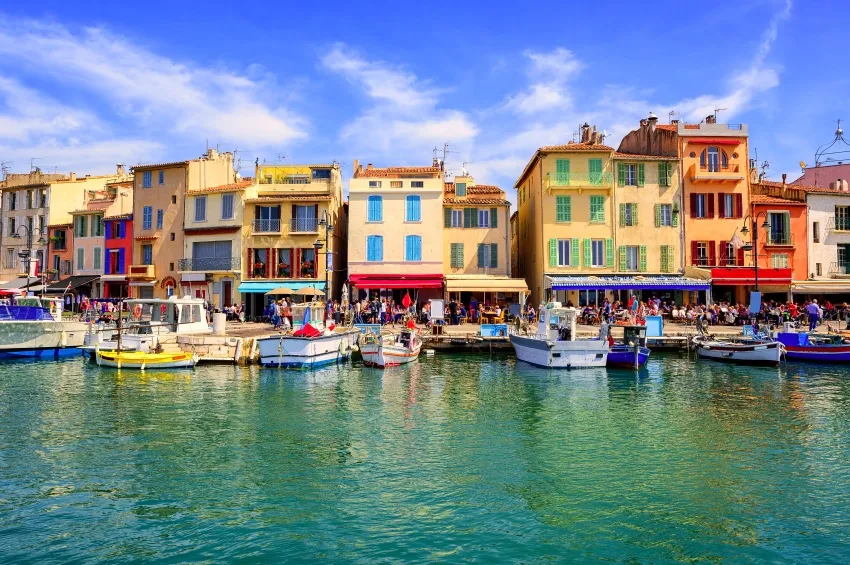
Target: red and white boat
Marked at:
388, 350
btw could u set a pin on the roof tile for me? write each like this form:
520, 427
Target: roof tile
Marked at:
396, 171
619, 155
232, 187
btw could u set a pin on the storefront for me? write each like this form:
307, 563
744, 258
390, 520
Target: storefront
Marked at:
592, 291
115, 286
422, 288
75, 289
734, 284
255, 295
507, 292
835, 291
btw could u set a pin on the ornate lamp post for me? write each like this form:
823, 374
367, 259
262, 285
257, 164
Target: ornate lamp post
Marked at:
755, 241
325, 222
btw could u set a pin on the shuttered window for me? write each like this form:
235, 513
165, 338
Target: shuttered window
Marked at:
96, 258
374, 248
375, 212
488, 255
457, 255
200, 210
147, 217
146, 179
159, 218
226, 206
413, 209
81, 258
563, 209
597, 209
412, 248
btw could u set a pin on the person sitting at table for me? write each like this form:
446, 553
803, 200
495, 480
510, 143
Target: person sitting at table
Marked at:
462, 311
497, 312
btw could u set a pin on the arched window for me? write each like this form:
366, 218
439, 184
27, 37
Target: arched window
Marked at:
375, 211
713, 159
412, 248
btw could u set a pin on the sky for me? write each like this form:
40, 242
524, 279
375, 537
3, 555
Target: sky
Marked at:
84, 86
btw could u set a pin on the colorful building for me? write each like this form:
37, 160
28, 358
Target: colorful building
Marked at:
828, 238
395, 242
287, 211
61, 251
159, 193
118, 241
476, 243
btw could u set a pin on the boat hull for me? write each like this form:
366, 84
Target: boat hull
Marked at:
146, 361
754, 354
288, 352
624, 356
382, 356
560, 354
813, 354
40, 339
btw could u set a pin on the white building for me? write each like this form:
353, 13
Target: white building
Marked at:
829, 243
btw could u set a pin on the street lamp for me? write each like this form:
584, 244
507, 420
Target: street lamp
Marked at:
26, 253
755, 242
325, 222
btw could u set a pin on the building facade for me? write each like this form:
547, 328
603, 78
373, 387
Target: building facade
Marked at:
395, 242
159, 194
61, 251
828, 241
294, 230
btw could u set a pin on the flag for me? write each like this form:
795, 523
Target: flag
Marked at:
736, 241
406, 301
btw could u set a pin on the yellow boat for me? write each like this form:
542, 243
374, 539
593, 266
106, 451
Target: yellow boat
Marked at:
142, 361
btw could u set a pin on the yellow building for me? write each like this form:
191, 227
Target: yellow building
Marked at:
476, 243
566, 216
293, 216
159, 193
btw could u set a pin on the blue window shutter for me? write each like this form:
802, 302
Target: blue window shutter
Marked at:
121, 260
106, 260
162, 177
380, 248
108, 230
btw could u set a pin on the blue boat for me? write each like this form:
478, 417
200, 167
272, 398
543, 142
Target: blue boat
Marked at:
815, 348
631, 352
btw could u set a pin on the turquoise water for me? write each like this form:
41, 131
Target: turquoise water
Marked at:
453, 459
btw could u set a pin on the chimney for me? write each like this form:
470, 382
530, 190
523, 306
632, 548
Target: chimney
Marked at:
710, 119
653, 121
119, 169
72, 176
356, 167
369, 167
594, 136
675, 122
784, 176
643, 122
585, 133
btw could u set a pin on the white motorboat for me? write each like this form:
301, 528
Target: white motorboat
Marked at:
388, 350
743, 349
33, 327
554, 343
311, 345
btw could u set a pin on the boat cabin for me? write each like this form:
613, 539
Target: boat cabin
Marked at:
557, 323
51, 304
185, 315
310, 312
634, 335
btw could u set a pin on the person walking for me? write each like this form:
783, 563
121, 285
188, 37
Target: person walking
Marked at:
814, 314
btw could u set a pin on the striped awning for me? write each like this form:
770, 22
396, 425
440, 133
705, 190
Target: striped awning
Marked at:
625, 283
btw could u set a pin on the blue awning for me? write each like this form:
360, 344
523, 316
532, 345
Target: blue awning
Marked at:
626, 283
266, 286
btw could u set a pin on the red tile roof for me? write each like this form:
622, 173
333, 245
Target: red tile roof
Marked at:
474, 189
396, 171
232, 187
283, 197
482, 201
764, 199
668, 127
146, 237
160, 165
618, 155
565, 148
126, 216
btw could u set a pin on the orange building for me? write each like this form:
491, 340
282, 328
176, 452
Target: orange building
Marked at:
61, 251
782, 240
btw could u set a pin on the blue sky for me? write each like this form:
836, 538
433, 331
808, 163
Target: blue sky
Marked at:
86, 85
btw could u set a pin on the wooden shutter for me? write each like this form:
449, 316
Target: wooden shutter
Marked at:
121, 258
460, 262
621, 174
693, 200
641, 174
634, 217
664, 258
709, 198
739, 206
447, 217
623, 215
642, 258
494, 255
712, 254
674, 218
574, 253
721, 251
481, 263
467, 217
740, 261
658, 215
622, 257
494, 217
474, 217
587, 253
563, 212
609, 253
721, 205
694, 253
553, 252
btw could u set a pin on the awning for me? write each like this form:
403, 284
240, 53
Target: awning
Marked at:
733, 276
266, 286
397, 281
820, 287
625, 283
75, 281
459, 283
21, 283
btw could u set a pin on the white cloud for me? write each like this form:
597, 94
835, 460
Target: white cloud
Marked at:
27, 114
549, 91
404, 119
558, 65
186, 99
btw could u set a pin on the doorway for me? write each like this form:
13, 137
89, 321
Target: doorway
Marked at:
226, 293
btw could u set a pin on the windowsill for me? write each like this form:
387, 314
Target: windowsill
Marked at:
413, 221
374, 221
564, 223
227, 219
597, 223
196, 221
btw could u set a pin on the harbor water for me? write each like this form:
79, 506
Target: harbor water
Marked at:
451, 459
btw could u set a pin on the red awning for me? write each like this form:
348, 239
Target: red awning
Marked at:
714, 140
397, 281
730, 276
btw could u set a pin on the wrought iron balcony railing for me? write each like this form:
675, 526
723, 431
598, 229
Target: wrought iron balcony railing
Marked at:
266, 226
207, 264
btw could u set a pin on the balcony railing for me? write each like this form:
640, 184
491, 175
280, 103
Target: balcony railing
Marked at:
142, 272
580, 179
304, 225
206, 264
784, 239
718, 168
839, 270
266, 226
838, 224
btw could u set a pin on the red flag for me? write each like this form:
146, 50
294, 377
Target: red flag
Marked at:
406, 301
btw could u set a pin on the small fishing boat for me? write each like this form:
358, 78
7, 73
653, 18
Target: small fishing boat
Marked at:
145, 360
748, 349
631, 351
554, 342
813, 347
389, 349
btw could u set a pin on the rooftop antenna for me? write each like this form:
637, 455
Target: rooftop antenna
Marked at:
33, 167
463, 170
716, 110
670, 115
825, 150
765, 165
4, 168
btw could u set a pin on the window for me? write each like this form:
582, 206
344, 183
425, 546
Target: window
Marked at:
597, 209
701, 257
374, 248
460, 189
147, 254
779, 260
96, 260
172, 236
308, 264
417, 184
816, 232
457, 218
396, 184
375, 209
80, 226
321, 174
488, 255
666, 258
226, 206
174, 199
665, 174
457, 255
818, 269
12, 226
44, 202
413, 210
563, 209
200, 211
483, 218
630, 257
170, 268
211, 255
562, 172
728, 254
629, 174
159, 217
30, 202
700, 210
663, 215
728, 209
412, 248
81, 258
146, 179
10, 258
374, 184
147, 217
60, 240
595, 168
597, 253
13, 200
780, 228
161, 177
628, 214
713, 160
564, 253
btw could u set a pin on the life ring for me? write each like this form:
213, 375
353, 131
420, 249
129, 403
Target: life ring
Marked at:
137, 311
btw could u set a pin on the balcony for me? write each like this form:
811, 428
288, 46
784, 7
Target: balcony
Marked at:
304, 225
210, 264
839, 270
838, 224
715, 173
779, 240
142, 272
579, 180
266, 226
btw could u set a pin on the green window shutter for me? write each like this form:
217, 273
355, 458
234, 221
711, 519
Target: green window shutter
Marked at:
447, 217
634, 213
494, 217
595, 168
568, 209
663, 265
642, 258
668, 176
562, 208
494, 255
467, 217
621, 174
663, 174
658, 215
481, 262
609, 253
674, 218
597, 209
622, 257
553, 252
587, 255
641, 173
622, 215
562, 166
474, 217
574, 253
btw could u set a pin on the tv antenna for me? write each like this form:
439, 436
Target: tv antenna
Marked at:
716, 110
826, 149
670, 115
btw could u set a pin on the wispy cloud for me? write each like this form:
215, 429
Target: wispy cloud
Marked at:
550, 73
404, 117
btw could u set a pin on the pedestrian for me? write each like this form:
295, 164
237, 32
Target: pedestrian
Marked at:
814, 314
